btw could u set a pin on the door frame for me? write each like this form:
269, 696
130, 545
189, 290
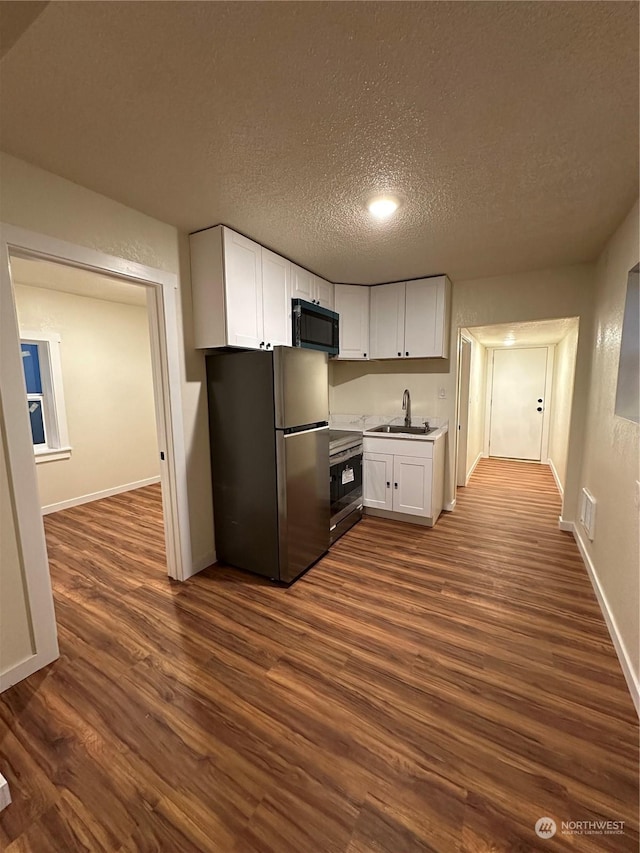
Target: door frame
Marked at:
548, 389
462, 418
162, 290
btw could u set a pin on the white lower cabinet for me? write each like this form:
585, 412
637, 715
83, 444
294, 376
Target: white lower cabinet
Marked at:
412, 485
377, 473
404, 478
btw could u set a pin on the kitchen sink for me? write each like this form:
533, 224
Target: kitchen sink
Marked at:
402, 430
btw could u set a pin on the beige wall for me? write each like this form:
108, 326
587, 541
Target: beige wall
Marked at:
610, 461
47, 204
15, 625
108, 389
561, 399
376, 387
477, 400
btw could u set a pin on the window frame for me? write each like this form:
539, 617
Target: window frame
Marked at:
53, 406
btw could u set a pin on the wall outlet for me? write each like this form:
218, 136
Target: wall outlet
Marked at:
442, 393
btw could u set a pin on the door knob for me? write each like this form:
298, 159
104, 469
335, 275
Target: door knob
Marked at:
539, 408
388, 484
406, 353
261, 344
395, 485
539, 399
399, 353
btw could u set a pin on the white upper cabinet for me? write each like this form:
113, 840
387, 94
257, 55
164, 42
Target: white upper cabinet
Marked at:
387, 320
305, 285
241, 292
352, 304
276, 300
426, 326
323, 293
302, 284
411, 319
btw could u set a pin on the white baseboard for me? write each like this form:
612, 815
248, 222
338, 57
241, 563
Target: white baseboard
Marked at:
450, 506
567, 526
5, 795
556, 477
473, 467
96, 496
618, 643
204, 562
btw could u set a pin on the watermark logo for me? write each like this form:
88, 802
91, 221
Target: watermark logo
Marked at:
545, 827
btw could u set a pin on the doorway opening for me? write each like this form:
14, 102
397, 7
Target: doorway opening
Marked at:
85, 342
515, 393
31, 568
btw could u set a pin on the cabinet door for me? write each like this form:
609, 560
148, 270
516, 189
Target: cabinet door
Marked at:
302, 284
426, 318
387, 320
352, 304
323, 293
377, 477
276, 300
243, 290
412, 485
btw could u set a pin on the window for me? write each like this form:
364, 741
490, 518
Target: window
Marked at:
45, 398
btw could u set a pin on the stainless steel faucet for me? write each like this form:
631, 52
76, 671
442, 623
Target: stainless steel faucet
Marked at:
406, 407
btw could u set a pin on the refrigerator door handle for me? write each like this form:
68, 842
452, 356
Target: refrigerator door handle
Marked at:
305, 431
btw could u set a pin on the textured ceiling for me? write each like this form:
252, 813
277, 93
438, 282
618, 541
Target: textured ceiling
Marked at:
52, 276
539, 333
509, 130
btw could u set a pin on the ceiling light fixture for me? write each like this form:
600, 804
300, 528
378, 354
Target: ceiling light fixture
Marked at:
383, 208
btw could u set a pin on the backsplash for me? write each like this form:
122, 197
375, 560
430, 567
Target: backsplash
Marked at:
363, 422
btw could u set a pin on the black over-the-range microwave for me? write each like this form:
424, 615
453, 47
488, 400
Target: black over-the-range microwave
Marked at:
315, 327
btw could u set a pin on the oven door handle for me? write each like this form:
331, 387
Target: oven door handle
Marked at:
345, 456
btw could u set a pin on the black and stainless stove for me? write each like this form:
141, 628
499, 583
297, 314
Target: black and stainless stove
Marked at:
345, 459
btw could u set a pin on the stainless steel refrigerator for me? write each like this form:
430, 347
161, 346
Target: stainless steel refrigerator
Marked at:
268, 418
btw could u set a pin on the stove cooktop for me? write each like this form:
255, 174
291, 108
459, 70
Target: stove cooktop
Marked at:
342, 438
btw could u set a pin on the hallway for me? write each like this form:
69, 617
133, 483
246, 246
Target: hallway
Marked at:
418, 689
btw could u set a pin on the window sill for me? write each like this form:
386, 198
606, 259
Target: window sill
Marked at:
52, 454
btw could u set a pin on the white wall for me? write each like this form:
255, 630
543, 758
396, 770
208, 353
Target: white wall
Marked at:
561, 398
108, 389
610, 462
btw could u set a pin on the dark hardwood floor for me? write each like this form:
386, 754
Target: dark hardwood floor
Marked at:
417, 690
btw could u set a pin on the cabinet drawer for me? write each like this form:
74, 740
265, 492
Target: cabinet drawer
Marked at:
420, 448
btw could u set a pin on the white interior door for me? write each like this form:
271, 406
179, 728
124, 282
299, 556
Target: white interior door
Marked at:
517, 402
